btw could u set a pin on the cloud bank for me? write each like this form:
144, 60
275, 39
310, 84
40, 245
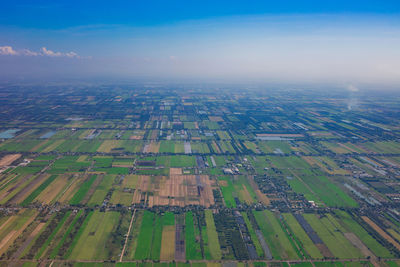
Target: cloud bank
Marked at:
44, 52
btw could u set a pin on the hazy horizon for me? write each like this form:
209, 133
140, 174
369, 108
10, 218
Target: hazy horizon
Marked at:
311, 44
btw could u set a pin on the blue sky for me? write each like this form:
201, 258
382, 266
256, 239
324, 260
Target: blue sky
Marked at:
341, 42
53, 14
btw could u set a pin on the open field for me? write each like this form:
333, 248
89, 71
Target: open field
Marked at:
301, 237
92, 242
217, 177
333, 237
277, 240
212, 236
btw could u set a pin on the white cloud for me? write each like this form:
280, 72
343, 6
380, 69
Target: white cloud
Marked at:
9, 51
27, 52
50, 53
72, 54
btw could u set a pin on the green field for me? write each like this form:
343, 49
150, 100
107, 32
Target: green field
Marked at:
351, 225
101, 191
37, 191
253, 236
92, 243
193, 249
320, 189
212, 236
281, 247
183, 161
301, 236
143, 248
82, 191
332, 236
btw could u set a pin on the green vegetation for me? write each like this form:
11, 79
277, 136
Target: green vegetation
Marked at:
212, 236
193, 250
327, 230
281, 247
38, 190
93, 236
143, 248
348, 222
83, 189
183, 161
51, 236
253, 236
301, 236
101, 191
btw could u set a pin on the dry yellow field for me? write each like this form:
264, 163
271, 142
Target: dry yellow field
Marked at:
53, 146
380, 231
108, 145
49, 193
168, 243
8, 159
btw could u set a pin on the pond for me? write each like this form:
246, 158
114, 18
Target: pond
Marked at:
7, 134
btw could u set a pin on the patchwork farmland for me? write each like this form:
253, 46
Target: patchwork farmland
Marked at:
164, 177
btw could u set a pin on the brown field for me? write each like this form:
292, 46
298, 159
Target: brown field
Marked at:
11, 218
28, 189
151, 147
31, 236
175, 190
13, 186
6, 239
130, 181
108, 145
6, 179
246, 195
53, 146
358, 244
215, 146
49, 193
71, 189
93, 188
168, 243
393, 233
35, 148
215, 118
324, 250
154, 147
261, 197
381, 232
14, 234
136, 137
175, 171
8, 159
122, 165
142, 186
